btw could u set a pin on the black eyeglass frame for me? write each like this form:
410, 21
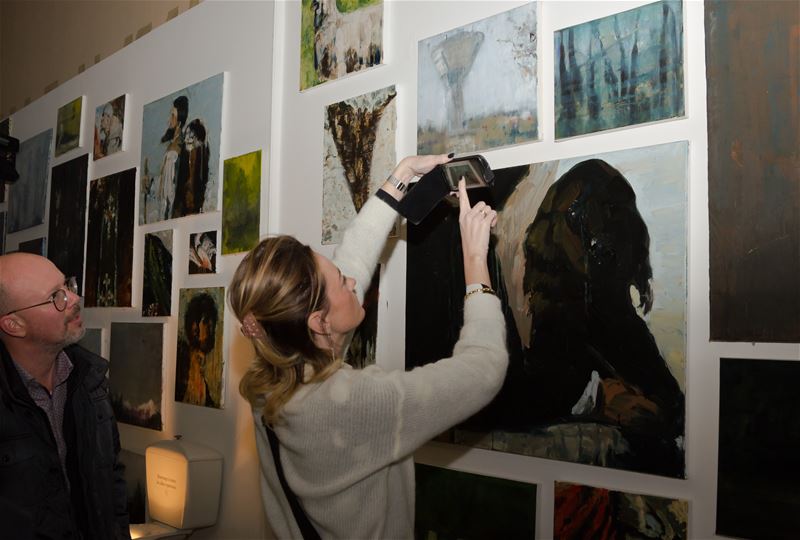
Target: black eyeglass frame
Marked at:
61, 296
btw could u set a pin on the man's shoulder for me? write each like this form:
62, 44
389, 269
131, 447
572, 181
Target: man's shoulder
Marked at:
93, 366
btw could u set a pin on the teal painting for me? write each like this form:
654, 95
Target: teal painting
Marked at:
621, 70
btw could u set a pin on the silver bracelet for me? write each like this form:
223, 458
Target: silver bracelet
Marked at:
398, 184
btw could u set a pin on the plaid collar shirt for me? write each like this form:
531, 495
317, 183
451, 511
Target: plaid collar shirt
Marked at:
52, 404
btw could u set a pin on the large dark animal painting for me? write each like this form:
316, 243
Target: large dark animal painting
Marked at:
589, 259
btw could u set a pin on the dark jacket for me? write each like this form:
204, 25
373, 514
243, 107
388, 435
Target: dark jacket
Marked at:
35, 501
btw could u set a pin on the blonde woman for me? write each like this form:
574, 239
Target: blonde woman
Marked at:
336, 444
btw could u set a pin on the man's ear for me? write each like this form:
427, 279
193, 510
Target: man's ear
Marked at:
13, 326
317, 323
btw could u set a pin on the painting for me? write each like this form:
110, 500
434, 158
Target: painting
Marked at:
109, 126
5, 129
68, 126
134, 374
361, 352
621, 70
455, 112
591, 512
241, 203
203, 252
135, 483
109, 240
338, 37
66, 224
453, 505
759, 434
180, 152
589, 260
359, 155
199, 364
157, 274
92, 340
26, 196
35, 246
753, 170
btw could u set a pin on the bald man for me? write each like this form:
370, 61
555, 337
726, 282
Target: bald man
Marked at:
59, 471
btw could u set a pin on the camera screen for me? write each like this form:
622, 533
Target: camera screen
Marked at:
455, 170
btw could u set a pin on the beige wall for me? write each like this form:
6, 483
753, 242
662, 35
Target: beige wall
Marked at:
44, 43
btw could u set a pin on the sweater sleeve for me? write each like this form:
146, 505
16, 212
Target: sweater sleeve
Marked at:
363, 242
437, 396
365, 420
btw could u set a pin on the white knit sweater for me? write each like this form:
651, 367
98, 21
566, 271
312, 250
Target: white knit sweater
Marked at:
347, 442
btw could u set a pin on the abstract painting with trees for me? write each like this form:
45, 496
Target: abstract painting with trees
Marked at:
620, 70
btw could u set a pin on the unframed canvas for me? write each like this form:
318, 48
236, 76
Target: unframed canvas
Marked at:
477, 85
453, 504
620, 70
359, 154
590, 263
68, 126
157, 274
199, 363
241, 203
339, 37
180, 152
109, 240
26, 197
583, 512
134, 373
66, 224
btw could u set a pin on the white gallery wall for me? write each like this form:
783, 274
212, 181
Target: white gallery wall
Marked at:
230, 38
264, 109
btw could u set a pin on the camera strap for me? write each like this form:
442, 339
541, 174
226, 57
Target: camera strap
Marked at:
306, 528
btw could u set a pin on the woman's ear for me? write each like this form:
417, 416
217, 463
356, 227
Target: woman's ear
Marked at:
317, 323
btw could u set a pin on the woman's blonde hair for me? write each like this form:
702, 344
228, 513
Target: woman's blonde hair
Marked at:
280, 284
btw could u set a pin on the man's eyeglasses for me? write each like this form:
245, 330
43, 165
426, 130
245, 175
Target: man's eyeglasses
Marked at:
59, 299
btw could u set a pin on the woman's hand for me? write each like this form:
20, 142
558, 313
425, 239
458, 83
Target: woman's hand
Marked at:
412, 166
476, 223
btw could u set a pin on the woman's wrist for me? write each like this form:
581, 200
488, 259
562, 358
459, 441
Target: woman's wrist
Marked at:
396, 184
476, 270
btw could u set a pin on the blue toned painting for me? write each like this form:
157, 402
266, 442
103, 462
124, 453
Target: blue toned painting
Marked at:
26, 198
454, 110
180, 152
621, 70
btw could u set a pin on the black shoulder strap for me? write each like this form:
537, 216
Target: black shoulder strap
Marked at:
306, 528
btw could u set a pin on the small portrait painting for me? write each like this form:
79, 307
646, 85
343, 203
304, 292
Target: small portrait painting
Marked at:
199, 364
109, 121
203, 252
